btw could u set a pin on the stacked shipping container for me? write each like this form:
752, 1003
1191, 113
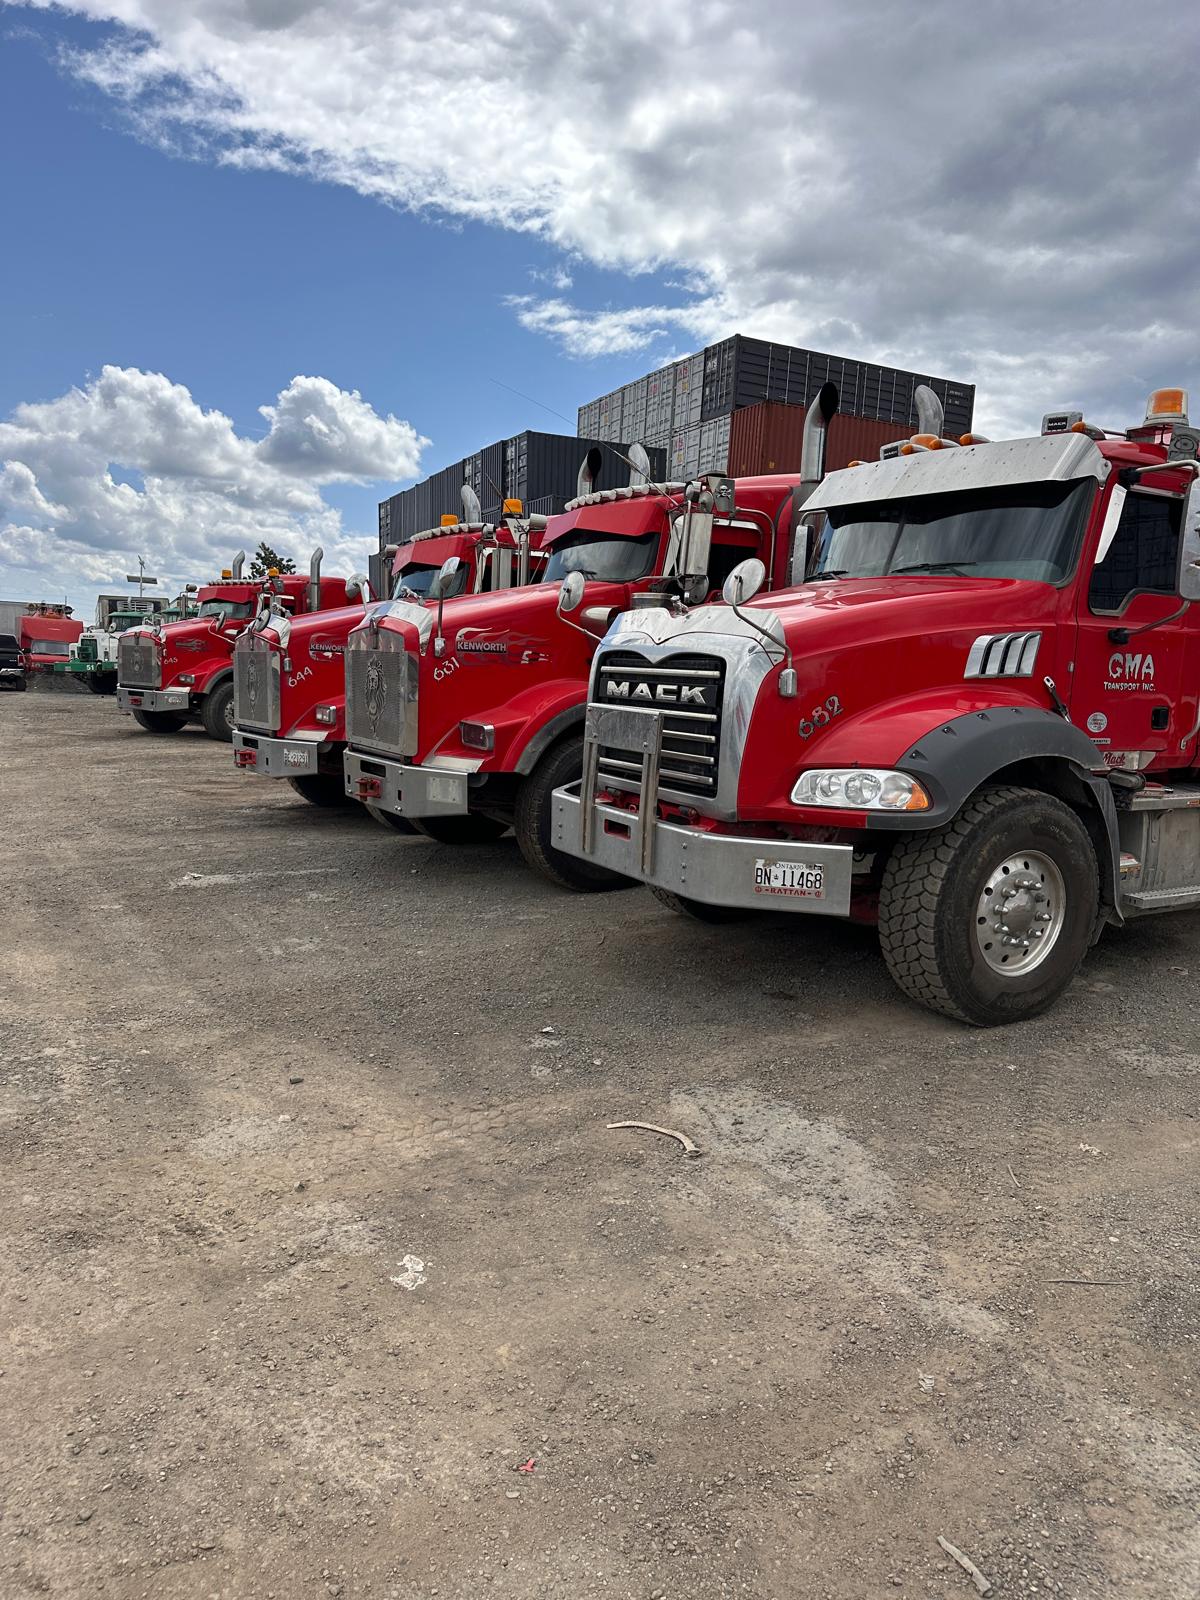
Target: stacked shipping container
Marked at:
686, 408
539, 469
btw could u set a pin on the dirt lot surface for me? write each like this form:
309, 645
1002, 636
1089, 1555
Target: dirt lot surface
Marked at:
314, 1232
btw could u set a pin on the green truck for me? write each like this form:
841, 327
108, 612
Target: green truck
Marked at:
93, 658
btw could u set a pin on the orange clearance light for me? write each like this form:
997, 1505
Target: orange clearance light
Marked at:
856, 463
513, 508
449, 520
272, 572
1080, 427
974, 438
929, 440
908, 449
227, 572
1167, 405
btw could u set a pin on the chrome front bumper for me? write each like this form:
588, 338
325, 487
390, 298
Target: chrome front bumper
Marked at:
406, 790
270, 757
153, 699
718, 869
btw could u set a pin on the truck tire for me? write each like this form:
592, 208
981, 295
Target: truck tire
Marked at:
388, 819
696, 909
216, 713
99, 684
474, 828
161, 721
532, 824
960, 909
322, 789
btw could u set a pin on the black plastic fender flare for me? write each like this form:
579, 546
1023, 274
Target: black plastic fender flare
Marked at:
957, 757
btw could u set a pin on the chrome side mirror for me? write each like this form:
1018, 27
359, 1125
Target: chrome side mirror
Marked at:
570, 596
744, 582
358, 587
444, 581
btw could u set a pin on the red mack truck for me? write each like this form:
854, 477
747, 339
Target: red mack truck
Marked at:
466, 720
289, 677
975, 725
168, 675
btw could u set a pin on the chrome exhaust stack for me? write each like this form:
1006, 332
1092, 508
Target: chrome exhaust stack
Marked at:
238, 562
822, 409
314, 579
589, 471
472, 510
639, 465
931, 414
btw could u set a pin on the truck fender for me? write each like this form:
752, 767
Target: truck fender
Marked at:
215, 682
959, 756
550, 733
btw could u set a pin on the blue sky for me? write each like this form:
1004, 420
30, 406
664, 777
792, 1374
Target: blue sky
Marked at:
385, 208
231, 282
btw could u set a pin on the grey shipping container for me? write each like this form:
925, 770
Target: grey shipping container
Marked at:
541, 469
738, 372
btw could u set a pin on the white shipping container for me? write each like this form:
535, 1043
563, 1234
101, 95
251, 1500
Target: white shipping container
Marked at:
689, 391
633, 411
685, 452
660, 402
714, 445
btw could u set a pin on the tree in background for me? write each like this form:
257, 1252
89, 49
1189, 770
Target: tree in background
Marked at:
264, 558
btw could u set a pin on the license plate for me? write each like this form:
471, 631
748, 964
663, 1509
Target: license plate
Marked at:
295, 758
801, 879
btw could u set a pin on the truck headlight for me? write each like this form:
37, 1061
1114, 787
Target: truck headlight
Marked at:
860, 789
477, 735
186, 677
326, 714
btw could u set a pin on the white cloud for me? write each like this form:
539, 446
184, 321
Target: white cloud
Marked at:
202, 490
1005, 193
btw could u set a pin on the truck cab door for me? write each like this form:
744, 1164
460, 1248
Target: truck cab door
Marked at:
1126, 692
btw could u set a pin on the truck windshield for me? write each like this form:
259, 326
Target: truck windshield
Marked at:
50, 647
601, 555
416, 580
227, 608
1027, 530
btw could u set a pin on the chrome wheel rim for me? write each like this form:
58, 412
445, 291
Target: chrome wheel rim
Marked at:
1020, 914
230, 717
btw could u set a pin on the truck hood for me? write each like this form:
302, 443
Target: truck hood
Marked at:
197, 636
475, 617
851, 610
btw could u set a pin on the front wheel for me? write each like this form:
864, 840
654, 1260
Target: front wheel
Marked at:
533, 824
99, 684
217, 712
320, 789
389, 819
473, 828
989, 918
698, 910
161, 721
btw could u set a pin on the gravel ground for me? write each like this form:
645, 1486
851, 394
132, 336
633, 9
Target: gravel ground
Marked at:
315, 1233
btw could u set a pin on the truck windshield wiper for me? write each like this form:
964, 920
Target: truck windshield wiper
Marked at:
933, 566
830, 572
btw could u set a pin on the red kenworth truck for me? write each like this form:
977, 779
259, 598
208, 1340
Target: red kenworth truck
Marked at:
466, 719
168, 675
975, 725
289, 678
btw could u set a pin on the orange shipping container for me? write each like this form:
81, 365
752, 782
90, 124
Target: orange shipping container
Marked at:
767, 437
